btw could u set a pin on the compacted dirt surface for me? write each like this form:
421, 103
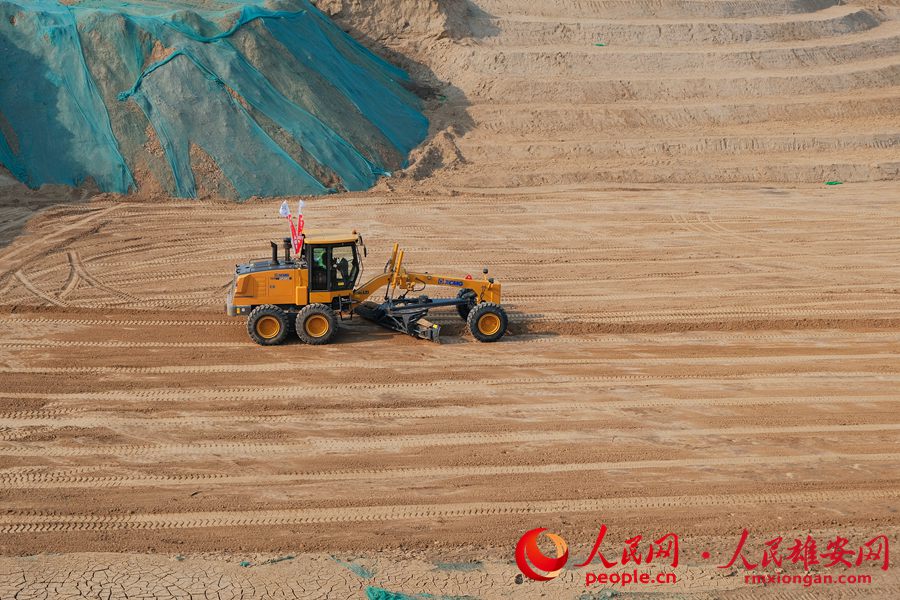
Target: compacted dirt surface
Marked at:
695, 361
686, 354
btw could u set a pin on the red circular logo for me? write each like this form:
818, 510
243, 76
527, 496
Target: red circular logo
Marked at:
528, 554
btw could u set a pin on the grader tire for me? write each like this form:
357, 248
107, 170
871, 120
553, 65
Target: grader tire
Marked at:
268, 325
487, 322
316, 324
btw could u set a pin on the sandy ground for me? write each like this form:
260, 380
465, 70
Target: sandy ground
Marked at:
695, 361
690, 358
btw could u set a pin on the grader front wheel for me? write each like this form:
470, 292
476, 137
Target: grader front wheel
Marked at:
487, 322
268, 325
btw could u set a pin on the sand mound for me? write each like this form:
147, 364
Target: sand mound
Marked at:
391, 22
234, 98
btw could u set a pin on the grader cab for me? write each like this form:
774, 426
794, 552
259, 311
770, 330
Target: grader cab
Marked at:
308, 293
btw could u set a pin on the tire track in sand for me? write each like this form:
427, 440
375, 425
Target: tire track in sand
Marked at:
93, 418
41, 294
44, 523
289, 392
401, 442
80, 477
440, 362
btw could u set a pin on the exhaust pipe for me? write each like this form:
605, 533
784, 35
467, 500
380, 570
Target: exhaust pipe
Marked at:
274, 253
287, 249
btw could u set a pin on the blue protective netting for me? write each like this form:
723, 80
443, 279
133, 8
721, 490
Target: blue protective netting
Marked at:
281, 100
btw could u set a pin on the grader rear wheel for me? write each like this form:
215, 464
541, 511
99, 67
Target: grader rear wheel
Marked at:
316, 324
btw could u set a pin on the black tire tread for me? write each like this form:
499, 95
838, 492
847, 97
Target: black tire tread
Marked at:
308, 310
274, 311
477, 312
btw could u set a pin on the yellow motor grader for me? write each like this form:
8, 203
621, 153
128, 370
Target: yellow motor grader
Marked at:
309, 292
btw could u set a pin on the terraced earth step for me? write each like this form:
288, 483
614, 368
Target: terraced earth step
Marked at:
856, 75
573, 28
527, 119
638, 9
856, 166
580, 61
658, 146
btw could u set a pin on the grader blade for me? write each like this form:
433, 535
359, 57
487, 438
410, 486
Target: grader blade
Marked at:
405, 317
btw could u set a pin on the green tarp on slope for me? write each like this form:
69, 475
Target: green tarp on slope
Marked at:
281, 100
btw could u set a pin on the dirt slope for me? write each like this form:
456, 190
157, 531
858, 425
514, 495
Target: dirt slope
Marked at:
684, 91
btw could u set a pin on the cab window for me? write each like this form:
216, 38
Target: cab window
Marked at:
319, 268
344, 267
